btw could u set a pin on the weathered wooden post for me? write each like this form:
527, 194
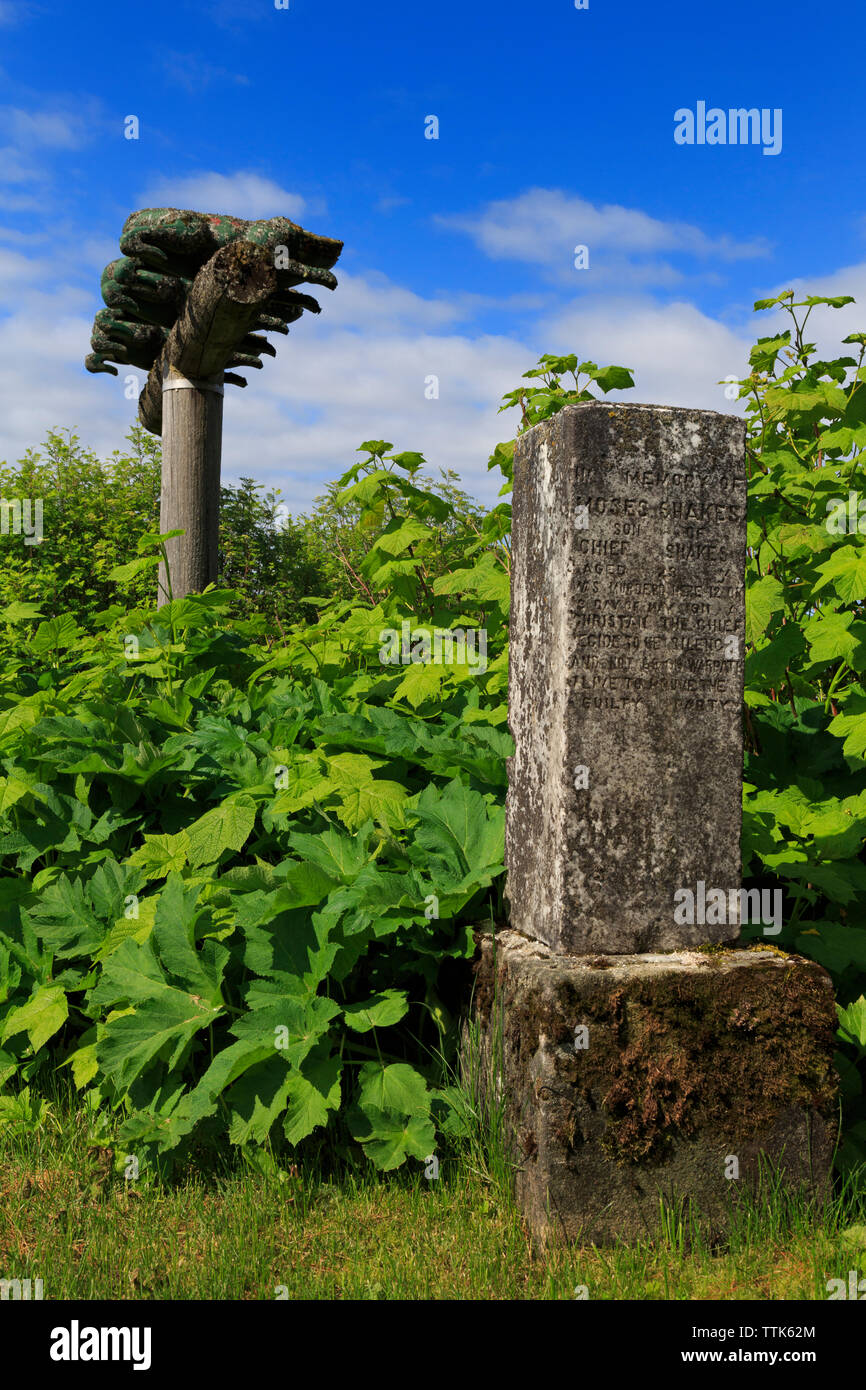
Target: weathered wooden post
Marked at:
192, 422
183, 302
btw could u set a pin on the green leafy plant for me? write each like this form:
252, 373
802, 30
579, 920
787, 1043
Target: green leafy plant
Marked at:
239, 874
94, 513
240, 870
804, 815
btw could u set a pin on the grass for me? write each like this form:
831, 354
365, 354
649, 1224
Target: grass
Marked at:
222, 1230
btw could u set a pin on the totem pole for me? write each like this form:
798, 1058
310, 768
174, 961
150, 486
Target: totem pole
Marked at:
183, 303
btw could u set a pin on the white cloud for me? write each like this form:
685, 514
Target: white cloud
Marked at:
42, 348
22, 202
14, 169
16, 271
244, 194
28, 238
311, 408
362, 301
677, 353
544, 225
59, 129
94, 254
359, 369
300, 422
356, 372
33, 136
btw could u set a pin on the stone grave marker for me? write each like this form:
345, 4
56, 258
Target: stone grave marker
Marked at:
626, 675
635, 1053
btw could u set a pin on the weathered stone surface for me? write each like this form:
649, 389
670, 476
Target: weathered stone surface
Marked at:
688, 1059
626, 674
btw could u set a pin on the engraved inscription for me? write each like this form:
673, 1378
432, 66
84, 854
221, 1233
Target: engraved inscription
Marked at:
673, 633
627, 663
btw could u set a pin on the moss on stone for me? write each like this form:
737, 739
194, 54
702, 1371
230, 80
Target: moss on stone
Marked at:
675, 1052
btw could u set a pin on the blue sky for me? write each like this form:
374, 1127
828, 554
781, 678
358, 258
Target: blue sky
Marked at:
556, 128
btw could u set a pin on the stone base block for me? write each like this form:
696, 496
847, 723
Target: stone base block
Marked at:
624, 1079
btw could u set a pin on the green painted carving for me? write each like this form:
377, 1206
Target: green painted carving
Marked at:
125, 341
159, 237
169, 238
143, 294
164, 249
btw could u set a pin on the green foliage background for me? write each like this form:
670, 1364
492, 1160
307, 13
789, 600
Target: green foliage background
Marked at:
240, 857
